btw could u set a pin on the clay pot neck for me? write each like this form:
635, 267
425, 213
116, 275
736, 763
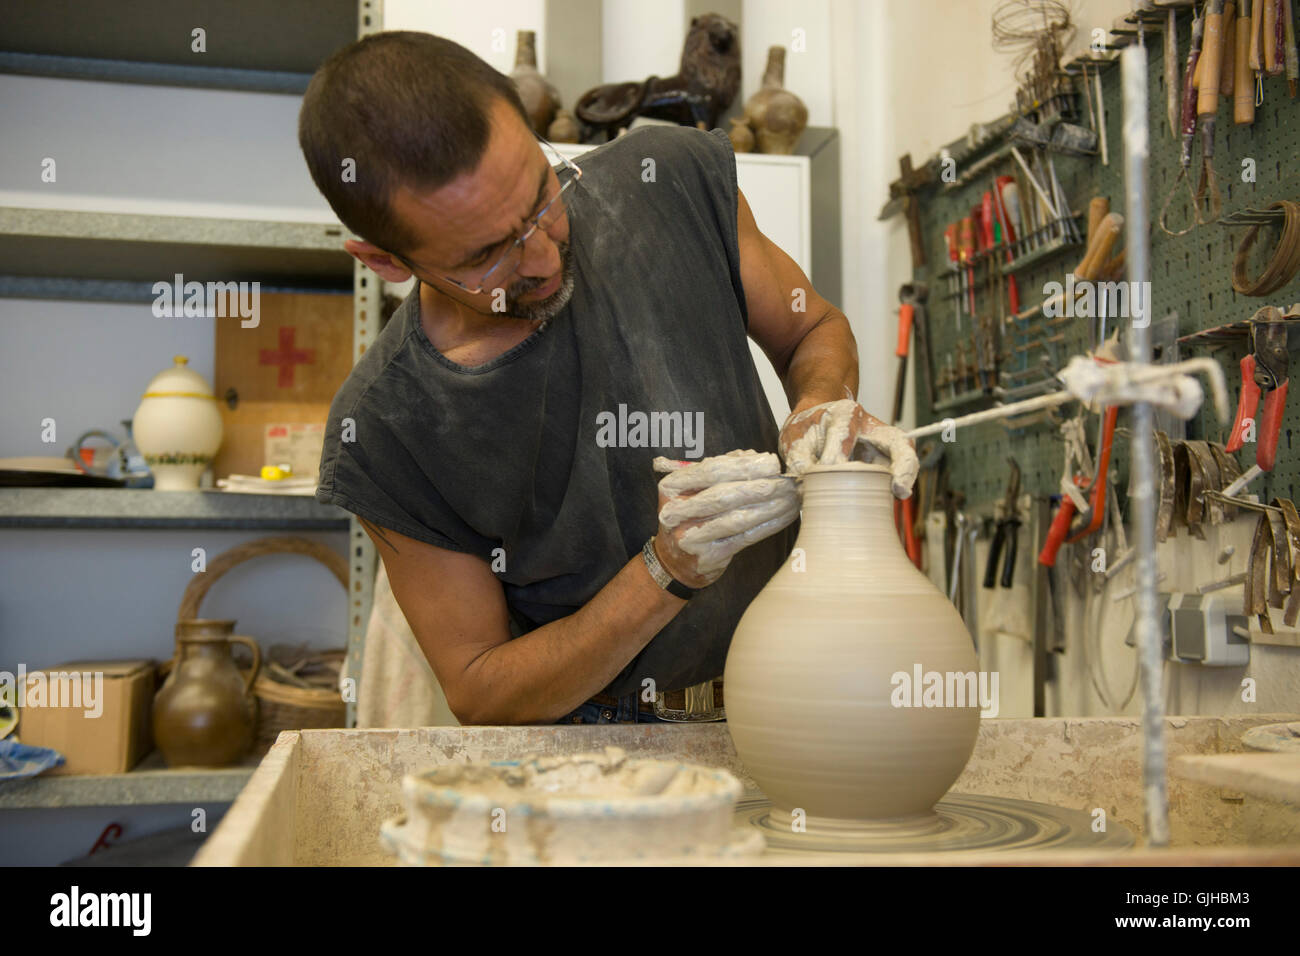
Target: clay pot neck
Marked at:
774, 75
847, 507
526, 48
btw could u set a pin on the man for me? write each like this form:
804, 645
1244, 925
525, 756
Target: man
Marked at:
498, 440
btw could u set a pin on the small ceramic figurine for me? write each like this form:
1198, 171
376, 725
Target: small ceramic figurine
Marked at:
742, 137
776, 115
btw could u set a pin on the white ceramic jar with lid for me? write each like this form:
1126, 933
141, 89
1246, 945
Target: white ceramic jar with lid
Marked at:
177, 427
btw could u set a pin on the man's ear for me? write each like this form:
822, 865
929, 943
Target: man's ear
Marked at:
384, 264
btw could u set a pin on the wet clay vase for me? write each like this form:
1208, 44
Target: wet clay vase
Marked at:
177, 427
205, 713
776, 115
811, 675
539, 97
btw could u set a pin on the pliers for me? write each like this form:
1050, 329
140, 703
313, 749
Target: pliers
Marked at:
1264, 369
1007, 513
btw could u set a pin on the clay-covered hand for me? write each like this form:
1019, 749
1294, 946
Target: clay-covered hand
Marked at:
713, 508
831, 433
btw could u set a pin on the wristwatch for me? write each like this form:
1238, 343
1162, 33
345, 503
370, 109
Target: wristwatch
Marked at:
661, 576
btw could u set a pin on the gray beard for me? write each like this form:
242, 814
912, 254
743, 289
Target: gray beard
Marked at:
547, 308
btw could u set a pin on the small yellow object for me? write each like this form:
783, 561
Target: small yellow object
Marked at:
276, 472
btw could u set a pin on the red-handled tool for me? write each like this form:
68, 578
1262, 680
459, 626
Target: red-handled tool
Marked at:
966, 251
905, 522
1008, 237
906, 313
1099, 480
1056, 533
950, 242
1247, 405
1264, 372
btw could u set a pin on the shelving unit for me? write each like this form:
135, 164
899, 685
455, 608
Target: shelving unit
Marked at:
144, 509
149, 783
59, 253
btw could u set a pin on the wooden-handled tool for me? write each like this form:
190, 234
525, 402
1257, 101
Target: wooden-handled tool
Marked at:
1255, 56
1098, 209
1243, 94
1269, 38
1100, 245
1172, 85
1211, 65
1227, 74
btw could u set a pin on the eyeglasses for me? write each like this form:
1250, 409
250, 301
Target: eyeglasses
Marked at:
545, 220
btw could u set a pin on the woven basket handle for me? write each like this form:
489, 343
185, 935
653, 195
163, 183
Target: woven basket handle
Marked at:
202, 583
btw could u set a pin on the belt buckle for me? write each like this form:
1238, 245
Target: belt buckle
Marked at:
695, 704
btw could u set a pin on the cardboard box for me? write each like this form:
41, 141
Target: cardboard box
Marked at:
98, 714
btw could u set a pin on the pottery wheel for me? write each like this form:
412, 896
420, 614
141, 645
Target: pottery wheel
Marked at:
962, 821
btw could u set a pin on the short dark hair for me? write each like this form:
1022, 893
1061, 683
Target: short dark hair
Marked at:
410, 109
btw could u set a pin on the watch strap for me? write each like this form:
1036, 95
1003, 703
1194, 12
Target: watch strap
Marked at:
661, 576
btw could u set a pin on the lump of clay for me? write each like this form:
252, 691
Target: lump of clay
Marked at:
579, 808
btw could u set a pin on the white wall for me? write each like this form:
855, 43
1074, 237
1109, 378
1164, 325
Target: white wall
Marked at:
641, 39
487, 27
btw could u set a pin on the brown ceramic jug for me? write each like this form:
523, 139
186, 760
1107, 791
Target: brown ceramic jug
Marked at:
776, 115
205, 713
819, 661
540, 98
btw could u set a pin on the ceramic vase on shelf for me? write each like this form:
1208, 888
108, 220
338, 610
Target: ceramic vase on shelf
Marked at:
205, 714
776, 115
177, 427
539, 97
811, 676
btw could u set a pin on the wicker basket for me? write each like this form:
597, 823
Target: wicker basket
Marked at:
279, 706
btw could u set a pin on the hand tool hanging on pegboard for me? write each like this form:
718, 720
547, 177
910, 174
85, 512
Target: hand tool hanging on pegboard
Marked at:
1007, 517
1264, 371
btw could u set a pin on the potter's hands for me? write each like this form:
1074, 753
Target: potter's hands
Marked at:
832, 433
715, 507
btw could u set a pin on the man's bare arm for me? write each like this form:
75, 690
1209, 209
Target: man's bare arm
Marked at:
813, 351
456, 608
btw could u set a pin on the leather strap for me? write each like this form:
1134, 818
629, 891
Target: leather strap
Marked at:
1268, 570
1213, 509
1229, 471
1284, 262
1189, 487
1292, 521
1165, 510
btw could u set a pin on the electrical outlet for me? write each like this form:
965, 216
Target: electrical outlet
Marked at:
1202, 628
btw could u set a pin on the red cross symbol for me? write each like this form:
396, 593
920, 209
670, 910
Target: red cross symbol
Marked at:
286, 356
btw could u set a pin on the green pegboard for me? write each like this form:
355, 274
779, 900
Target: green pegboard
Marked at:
1190, 277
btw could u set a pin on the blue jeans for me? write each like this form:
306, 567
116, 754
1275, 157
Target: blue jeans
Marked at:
626, 712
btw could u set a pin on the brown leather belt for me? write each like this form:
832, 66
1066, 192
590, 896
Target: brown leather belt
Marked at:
673, 699
609, 700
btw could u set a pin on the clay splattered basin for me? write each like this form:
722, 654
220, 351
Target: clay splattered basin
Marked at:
583, 808
831, 695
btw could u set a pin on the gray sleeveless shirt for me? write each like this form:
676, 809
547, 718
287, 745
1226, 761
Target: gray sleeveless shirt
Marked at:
545, 451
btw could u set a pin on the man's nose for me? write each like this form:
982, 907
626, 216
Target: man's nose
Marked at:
541, 256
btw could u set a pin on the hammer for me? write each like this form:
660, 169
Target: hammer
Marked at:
911, 311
